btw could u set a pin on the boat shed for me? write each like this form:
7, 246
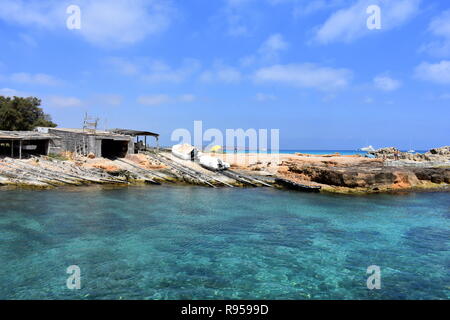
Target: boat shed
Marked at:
20, 144
105, 144
141, 145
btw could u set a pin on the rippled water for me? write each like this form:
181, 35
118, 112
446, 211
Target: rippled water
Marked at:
200, 243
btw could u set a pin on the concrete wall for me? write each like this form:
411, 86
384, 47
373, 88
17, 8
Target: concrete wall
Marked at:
71, 140
55, 146
131, 146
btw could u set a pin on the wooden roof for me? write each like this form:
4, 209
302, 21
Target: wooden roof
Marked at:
26, 135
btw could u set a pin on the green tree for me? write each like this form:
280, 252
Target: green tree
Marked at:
22, 114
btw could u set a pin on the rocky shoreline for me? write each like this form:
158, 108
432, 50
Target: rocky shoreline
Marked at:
388, 171
369, 177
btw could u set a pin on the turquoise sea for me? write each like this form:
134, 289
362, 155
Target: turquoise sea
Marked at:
316, 152
183, 242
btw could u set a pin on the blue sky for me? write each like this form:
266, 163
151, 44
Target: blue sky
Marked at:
309, 68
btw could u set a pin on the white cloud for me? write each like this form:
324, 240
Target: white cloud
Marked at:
272, 47
221, 73
263, 97
368, 100
107, 99
159, 99
247, 61
28, 40
8, 92
42, 14
122, 65
438, 73
154, 71
439, 27
41, 79
123, 22
437, 48
62, 102
444, 96
236, 26
386, 83
311, 7
154, 100
348, 24
187, 98
268, 52
236, 3
239, 16
274, 43
104, 23
305, 75
158, 71
96, 100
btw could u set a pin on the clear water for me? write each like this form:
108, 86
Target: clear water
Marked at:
316, 152
292, 151
199, 243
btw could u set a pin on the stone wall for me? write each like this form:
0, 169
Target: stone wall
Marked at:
71, 140
77, 141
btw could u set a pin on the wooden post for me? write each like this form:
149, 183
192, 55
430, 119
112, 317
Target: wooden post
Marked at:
157, 143
145, 142
20, 149
12, 148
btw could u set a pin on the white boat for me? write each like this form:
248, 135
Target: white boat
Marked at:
411, 151
367, 149
213, 163
30, 147
185, 151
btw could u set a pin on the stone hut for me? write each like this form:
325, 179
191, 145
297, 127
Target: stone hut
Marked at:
83, 141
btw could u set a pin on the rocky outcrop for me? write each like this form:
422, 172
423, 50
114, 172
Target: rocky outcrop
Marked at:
435, 175
438, 155
368, 177
443, 151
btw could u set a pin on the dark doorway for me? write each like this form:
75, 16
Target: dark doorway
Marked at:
5, 148
9, 148
34, 147
114, 149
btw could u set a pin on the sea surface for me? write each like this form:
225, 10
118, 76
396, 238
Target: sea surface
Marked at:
183, 242
315, 152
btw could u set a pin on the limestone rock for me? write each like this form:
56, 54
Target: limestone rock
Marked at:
436, 155
443, 151
371, 176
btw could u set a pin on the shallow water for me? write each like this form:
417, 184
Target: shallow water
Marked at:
199, 243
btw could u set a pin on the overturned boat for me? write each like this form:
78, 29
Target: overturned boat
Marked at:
212, 163
367, 149
185, 151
